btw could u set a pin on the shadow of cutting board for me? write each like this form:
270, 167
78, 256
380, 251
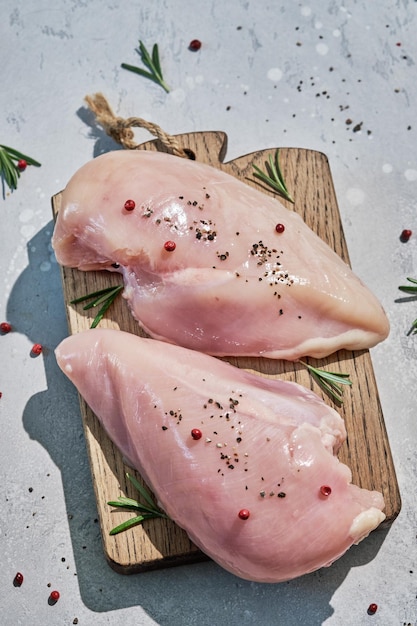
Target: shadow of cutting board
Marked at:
160, 543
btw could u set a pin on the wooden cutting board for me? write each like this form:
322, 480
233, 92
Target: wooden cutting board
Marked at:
160, 543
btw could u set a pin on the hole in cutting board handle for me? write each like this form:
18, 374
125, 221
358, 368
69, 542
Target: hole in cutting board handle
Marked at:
190, 154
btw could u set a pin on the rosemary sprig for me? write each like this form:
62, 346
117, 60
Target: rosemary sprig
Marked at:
412, 290
413, 328
153, 64
273, 177
330, 382
9, 168
104, 296
146, 511
409, 288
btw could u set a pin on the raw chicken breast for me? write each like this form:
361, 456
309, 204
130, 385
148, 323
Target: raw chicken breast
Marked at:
266, 446
233, 285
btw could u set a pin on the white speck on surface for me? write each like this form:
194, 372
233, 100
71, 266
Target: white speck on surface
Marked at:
177, 95
305, 11
274, 74
410, 175
318, 25
68, 368
45, 266
28, 230
387, 168
355, 196
322, 49
26, 215
336, 32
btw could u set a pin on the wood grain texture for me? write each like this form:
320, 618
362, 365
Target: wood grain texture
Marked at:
160, 543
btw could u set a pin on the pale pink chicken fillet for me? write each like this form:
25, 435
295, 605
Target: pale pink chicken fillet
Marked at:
266, 446
233, 285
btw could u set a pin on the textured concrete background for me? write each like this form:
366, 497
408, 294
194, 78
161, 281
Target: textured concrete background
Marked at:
282, 73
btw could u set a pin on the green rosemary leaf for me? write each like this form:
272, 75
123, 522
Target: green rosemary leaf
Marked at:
134, 505
409, 288
276, 168
332, 390
92, 295
330, 382
412, 290
273, 177
332, 377
113, 295
140, 71
8, 170
276, 175
129, 523
125, 503
155, 60
19, 155
102, 296
143, 492
153, 64
145, 56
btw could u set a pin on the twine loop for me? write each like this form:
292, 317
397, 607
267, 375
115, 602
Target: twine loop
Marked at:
120, 129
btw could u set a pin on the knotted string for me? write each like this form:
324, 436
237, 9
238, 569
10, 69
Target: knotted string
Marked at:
120, 129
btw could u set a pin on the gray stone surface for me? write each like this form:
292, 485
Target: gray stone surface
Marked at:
281, 73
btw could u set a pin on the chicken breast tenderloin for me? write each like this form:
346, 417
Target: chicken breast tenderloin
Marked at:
260, 491
227, 283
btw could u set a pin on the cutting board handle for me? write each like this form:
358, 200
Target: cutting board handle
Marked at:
204, 146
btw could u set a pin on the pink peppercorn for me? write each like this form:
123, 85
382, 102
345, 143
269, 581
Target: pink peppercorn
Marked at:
405, 235
170, 246
54, 597
129, 205
195, 45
